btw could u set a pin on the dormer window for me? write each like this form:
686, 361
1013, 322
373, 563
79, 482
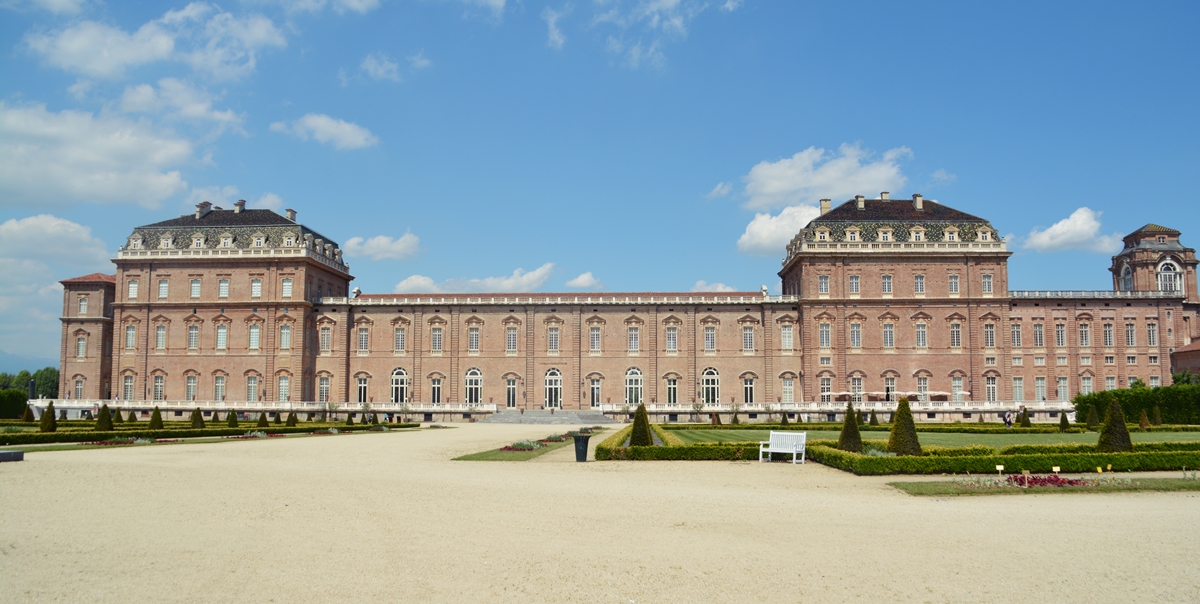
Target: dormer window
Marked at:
984, 236
1162, 239
165, 243
135, 244
918, 235
227, 242
287, 242
851, 235
198, 242
822, 235
258, 242
885, 235
951, 236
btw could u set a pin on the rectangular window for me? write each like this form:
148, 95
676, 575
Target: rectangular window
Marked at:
823, 284
284, 390
1016, 335
856, 389
1130, 335
672, 339
854, 284
78, 389
823, 333
127, 388
255, 336
133, 287
826, 389
435, 391
1039, 335
1152, 334
1060, 335
634, 344
990, 388
747, 338
160, 337
195, 288
989, 335
1018, 361
193, 337
987, 284
1110, 382
1131, 360
364, 339
889, 335
1039, 361
594, 391
826, 361
1039, 386
159, 387
285, 337
256, 288
1153, 360
1085, 335
748, 390
1085, 384
856, 335
473, 339
1108, 335
191, 388
222, 337
594, 339
956, 388
285, 290
83, 307
1062, 360
326, 339
510, 393
80, 348
252, 388
399, 335
323, 389
130, 337
710, 339
919, 284
789, 390
887, 284
956, 335
552, 339
889, 387
989, 360
223, 288
1062, 389
1154, 383
362, 389
1085, 360
1018, 389
164, 289
785, 337
921, 335
510, 340
954, 284
922, 388
435, 339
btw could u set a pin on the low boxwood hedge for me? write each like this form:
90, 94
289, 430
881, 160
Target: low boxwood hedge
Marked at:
1082, 448
866, 465
38, 438
955, 428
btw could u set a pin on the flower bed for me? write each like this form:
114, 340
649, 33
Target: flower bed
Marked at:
84, 436
861, 464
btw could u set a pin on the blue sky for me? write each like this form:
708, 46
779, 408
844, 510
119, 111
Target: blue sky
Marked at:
586, 145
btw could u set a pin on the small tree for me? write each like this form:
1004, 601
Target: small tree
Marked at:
1063, 424
1143, 421
278, 418
981, 417
850, 439
903, 438
735, 408
156, 419
349, 419
117, 418
1025, 423
231, 419
640, 436
1092, 421
783, 420
874, 419
262, 421
1157, 418
104, 422
133, 418
374, 419
49, 423
197, 419
28, 415
291, 420
1114, 436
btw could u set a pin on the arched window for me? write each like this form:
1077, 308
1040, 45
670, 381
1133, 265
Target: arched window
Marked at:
710, 387
1126, 279
1169, 278
474, 391
399, 386
633, 387
553, 389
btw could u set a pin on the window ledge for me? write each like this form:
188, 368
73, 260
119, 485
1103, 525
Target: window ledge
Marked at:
510, 353
472, 353
595, 353
552, 353
363, 353
672, 353
633, 353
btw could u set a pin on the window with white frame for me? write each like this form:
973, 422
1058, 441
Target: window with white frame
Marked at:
127, 387
889, 387
256, 288
953, 284
1108, 335
785, 338
1063, 394
285, 337
1039, 388
886, 284
856, 388
922, 388
222, 337
1152, 334
956, 388
889, 335
672, 339
854, 284
989, 335
634, 344
748, 390
223, 288
987, 284
283, 389
552, 339
1085, 360
510, 393
133, 289
1018, 361
193, 337
83, 302
160, 337
1039, 335
1131, 360
553, 389
473, 340
399, 339
633, 387
190, 387
399, 386
1015, 338
710, 338
160, 387
1169, 278
435, 391
1130, 335
1018, 388
1085, 335
219, 388
824, 335
435, 339
474, 387
255, 335
1060, 335
594, 391
510, 340
1153, 359
956, 335
1062, 360
919, 284
990, 388
252, 388
823, 284
80, 347
710, 387
130, 337
1154, 383
789, 390
323, 389
747, 338
285, 289
594, 338
326, 339
195, 288
826, 389
164, 289
78, 389
364, 340
921, 341
1110, 382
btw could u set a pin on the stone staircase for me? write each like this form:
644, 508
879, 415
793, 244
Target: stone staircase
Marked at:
544, 416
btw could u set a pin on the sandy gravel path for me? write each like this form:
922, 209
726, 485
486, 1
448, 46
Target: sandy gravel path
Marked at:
388, 517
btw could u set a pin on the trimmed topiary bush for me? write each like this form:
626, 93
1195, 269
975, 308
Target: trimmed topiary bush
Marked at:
1063, 424
374, 419
49, 423
903, 438
1114, 436
197, 419
981, 418
291, 420
1025, 423
1092, 421
28, 416
262, 421
349, 419
1157, 418
104, 422
133, 417
640, 436
850, 439
231, 420
156, 419
1143, 421
278, 418
874, 419
784, 421
117, 418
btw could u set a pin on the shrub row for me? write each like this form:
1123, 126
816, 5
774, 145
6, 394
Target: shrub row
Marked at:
955, 428
1177, 404
606, 446
37, 438
865, 465
1082, 448
666, 437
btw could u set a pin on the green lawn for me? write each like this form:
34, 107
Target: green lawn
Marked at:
936, 438
498, 455
943, 488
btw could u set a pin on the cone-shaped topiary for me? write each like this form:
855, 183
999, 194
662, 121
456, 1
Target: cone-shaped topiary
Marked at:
104, 422
156, 419
1114, 436
891, 418
117, 418
374, 419
312, 417
1063, 424
640, 436
850, 439
1143, 421
133, 418
278, 418
874, 421
291, 420
1025, 423
49, 423
1156, 419
349, 419
734, 419
262, 421
197, 419
1092, 420
716, 418
784, 421
981, 418
28, 416
231, 419
903, 438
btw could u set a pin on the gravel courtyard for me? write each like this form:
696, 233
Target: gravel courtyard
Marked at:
389, 517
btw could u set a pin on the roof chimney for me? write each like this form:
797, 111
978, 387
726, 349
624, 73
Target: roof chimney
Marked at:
291, 215
239, 207
885, 196
861, 201
824, 207
202, 209
918, 203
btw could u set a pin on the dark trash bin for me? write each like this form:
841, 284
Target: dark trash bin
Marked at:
581, 445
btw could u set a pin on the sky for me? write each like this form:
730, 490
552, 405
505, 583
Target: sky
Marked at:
585, 145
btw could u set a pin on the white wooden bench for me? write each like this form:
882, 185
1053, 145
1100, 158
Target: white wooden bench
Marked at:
783, 442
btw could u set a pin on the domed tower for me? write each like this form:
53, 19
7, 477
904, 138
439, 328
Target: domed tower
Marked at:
1154, 260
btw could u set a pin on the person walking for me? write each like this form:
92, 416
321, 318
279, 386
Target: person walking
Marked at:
1008, 419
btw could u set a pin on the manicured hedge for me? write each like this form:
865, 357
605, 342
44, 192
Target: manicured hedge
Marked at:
985, 464
37, 438
13, 403
1177, 404
666, 437
1065, 448
955, 428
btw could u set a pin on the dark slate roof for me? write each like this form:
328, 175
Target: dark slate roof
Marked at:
896, 210
225, 218
92, 278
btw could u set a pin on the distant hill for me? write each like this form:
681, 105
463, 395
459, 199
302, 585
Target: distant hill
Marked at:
12, 363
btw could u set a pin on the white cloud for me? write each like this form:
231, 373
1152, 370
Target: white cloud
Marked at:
768, 235
178, 99
585, 281
80, 88
704, 286
418, 61
554, 35
49, 238
361, 7
646, 26
216, 43
380, 67
497, 6
226, 196
58, 7
1079, 231
721, 190
943, 176
314, 6
382, 247
731, 5
59, 158
325, 129
268, 201
518, 282
814, 173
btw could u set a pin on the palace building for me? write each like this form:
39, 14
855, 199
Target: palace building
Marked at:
882, 298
